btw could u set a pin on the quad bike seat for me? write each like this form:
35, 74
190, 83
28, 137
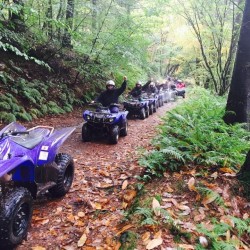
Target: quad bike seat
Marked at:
32, 139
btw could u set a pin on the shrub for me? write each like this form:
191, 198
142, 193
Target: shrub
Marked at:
195, 133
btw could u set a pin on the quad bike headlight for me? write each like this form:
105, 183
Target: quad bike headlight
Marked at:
111, 119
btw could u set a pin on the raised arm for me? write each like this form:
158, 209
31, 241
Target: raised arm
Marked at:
146, 84
123, 86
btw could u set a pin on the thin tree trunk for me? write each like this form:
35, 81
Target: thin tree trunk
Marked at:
66, 41
94, 15
17, 18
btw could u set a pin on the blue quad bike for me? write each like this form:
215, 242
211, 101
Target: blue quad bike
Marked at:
137, 107
161, 98
105, 121
29, 165
152, 101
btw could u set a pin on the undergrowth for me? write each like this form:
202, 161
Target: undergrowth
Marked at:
194, 133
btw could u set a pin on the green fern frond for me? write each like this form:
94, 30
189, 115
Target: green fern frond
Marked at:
207, 192
4, 106
7, 117
174, 153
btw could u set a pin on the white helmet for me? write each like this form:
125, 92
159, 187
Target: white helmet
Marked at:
138, 83
152, 84
110, 82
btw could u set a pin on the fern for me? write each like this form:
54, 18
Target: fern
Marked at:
218, 233
4, 106
53, 108
242, 226
7, 46
24, 116
147, 215
207, 192
194, 133
7, 117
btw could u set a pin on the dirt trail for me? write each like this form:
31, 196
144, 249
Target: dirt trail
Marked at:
94, 206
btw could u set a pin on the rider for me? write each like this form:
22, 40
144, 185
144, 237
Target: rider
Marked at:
151, 88
111, 94
137, 90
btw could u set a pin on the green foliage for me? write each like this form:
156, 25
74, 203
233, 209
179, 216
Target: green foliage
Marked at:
128, 240
217, 235
35, 113
7, 117
4, 106
207, 192
53, 108
194, 133
147, 215
23, 116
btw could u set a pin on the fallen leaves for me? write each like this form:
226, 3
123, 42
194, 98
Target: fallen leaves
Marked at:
82, 240
154, 243
156, 207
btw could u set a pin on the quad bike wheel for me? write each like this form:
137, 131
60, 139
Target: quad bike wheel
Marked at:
114, 135
65, 175
86, 133
142, 113
155, 107
124, 130
147, 112
151, 109
16, 210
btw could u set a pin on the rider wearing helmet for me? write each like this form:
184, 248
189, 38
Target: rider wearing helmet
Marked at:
151, 88
111, 94
136, 91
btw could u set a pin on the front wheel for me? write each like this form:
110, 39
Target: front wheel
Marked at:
155, 107
114, 135
16, 210
151, 109
86, 133
147, 112
124, 130
142, 113
65, 175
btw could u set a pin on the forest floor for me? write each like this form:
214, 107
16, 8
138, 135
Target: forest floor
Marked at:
91, 215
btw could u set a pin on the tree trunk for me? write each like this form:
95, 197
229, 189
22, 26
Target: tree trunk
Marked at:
17, 18
66, 41
238, 102
94, 15
47, 26
244, 173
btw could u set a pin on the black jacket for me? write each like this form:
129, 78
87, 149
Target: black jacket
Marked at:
149, 89
111, 95
136, 92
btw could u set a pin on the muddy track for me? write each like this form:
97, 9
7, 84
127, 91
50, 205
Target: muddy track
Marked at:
94, 206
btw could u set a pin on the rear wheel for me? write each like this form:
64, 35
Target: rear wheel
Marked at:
65, 175
15, 216
86, 133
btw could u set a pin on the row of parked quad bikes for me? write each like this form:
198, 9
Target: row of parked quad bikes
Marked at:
31, 165
112, 122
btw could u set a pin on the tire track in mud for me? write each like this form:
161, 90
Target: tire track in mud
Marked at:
94, 206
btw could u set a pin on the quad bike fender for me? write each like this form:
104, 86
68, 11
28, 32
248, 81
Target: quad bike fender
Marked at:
15, 165
49, 148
